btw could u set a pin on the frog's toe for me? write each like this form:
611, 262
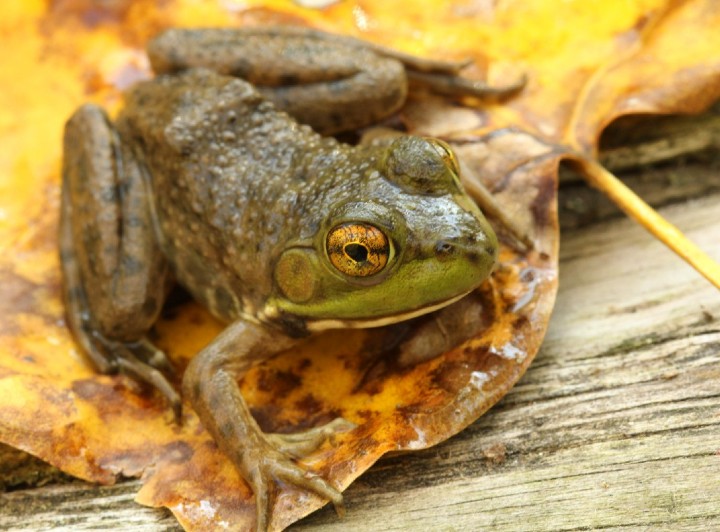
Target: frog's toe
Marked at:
301, 444
140, 360
277, 469
143, 361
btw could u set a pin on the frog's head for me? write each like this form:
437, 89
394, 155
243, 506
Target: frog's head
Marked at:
409, 241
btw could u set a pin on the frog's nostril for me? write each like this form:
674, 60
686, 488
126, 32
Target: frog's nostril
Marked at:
444, 248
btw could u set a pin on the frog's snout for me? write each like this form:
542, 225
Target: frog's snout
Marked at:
473, 251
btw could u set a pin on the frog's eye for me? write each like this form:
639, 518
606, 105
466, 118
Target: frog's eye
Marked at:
448, 156
357, 249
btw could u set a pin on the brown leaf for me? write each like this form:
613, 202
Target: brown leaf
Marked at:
585, 67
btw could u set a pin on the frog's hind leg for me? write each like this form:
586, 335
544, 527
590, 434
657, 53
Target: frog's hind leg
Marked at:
114, 274
326, 81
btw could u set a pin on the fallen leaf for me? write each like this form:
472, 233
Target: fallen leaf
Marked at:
586, 66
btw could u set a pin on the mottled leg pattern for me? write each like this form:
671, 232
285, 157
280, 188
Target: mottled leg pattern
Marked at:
114, 275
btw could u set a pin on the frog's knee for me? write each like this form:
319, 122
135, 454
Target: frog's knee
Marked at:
89, 121
125, 321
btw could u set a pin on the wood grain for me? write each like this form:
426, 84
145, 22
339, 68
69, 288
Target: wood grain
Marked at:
615, 425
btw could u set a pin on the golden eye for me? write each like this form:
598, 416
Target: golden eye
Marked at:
357, 249
448, 156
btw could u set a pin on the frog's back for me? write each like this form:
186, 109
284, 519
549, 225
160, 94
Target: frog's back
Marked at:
226, 170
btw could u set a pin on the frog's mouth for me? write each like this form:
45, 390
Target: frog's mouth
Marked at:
379, 321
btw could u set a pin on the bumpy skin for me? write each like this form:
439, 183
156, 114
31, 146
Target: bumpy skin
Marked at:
203, 177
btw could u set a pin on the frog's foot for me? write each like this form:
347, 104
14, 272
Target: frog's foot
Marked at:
274, 468
452, 85
141, 360
301, 444
146, 363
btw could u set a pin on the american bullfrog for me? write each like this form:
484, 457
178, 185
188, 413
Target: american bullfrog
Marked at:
205, 179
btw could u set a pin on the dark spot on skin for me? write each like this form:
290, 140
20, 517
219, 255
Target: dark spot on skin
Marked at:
300, 174
241, 68
131, 266
196, 389
109, 194
222, 298
216, 402
473, 257
336, 119
133, 221
293, 326
227, 429
289, 79
340, 86
150, 306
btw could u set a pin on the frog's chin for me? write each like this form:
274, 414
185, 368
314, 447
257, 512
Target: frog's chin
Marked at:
379, 321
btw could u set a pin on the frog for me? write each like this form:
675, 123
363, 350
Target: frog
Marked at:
221, 174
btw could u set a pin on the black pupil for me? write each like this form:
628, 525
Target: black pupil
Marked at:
356, 252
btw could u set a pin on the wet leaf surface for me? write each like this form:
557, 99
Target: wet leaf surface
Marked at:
586, 65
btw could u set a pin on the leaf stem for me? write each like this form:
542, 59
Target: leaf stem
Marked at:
646, 216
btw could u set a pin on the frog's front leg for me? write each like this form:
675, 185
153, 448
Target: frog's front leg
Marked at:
114, 277
264, 460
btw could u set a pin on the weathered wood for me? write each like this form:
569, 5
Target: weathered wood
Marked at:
663, 159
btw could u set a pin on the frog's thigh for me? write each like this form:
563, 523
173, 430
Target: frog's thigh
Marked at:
326, 81
114, 272
358, 100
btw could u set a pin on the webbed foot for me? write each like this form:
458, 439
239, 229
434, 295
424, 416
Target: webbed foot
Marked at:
266, 461
274, 468
299, 444
275, 464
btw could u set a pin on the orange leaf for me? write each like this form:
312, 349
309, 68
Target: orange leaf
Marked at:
586, 65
